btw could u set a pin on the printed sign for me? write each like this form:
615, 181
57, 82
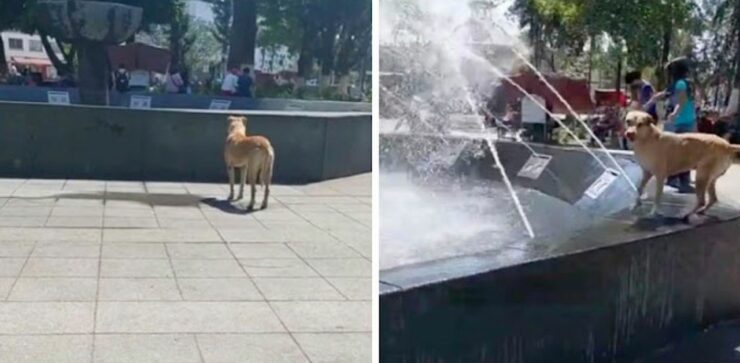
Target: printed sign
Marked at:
600, 185
532, 112
58, 97
141, 102
534, 167
220, 105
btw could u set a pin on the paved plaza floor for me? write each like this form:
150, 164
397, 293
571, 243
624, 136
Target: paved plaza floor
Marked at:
95, 271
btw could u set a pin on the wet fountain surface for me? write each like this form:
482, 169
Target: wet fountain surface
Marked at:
445, 225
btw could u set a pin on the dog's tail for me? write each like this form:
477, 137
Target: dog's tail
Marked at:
736, 149
265, 174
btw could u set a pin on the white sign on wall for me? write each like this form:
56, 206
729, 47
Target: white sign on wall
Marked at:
532, 113
140, 102
600, 185
220, 105
534, 166
58, 97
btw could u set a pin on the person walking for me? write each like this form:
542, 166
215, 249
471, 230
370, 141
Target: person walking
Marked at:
244, 85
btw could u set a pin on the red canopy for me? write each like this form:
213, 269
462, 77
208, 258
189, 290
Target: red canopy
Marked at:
610, 97
139, 56
574, 91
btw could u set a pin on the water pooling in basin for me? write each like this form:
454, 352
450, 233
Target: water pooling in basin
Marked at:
443, 219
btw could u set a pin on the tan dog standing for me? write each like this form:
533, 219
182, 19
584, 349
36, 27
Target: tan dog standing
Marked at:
252, 154
662, 154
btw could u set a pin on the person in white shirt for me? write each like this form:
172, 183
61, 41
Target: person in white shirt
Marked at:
174, 82
230, 83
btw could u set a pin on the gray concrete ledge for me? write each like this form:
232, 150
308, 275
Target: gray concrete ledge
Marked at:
51, 141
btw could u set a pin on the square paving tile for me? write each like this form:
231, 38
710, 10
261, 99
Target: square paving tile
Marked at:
67, 249
198, 251
130, 222
135, 268
60, 267
16, 249
354, 288
146, 348
341, 267
45, 349
277, 267
323, 249
54, 289
138, 289
324, 316
11, 267
14, 221
249, 348
219, 289
262, 250
295, 289
75, 222
46, 317
5, 284
335, 348
176, 317
134, 250
207, 268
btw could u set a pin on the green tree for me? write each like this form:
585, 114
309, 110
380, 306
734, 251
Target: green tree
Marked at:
243, 36
180, 39
206, 50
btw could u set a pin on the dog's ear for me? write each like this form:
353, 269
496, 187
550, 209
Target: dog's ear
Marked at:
652, 119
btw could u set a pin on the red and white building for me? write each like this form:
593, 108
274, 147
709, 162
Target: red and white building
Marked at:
26, 50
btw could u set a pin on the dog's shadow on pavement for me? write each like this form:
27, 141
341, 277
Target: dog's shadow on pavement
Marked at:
225, 206
657, 222
157, 199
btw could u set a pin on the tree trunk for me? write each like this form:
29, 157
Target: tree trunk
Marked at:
243, 34
736, 81
94, 73
62, 68
305, 61
619, 74
590, 61
343, 85
3, 63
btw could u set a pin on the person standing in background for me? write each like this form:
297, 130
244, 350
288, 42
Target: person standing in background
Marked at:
244, 85
683, 115
641, 93
173, 82
230, 83
121, 79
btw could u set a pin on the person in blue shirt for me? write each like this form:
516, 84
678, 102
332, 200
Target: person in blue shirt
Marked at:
682, 118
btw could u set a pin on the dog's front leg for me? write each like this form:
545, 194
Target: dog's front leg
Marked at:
659, 183
646, 175
230, 171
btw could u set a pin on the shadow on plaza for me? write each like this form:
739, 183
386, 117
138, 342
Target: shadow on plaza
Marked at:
154, 199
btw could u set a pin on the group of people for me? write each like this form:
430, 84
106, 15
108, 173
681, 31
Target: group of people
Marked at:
237, 83
176, 81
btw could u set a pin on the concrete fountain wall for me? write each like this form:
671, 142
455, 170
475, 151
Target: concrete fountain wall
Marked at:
163, 100
610, 293
50, 141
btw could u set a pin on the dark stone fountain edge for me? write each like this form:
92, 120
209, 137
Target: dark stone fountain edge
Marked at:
610, 293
